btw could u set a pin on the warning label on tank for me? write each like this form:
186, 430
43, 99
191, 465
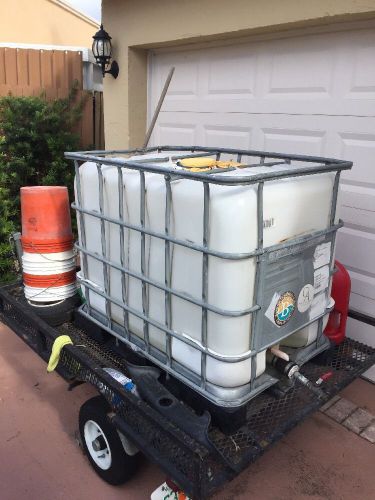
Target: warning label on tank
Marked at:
321, 279
322, 255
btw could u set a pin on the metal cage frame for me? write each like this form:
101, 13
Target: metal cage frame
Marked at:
165, 361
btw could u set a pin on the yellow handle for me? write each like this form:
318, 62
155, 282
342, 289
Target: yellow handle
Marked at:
59, 343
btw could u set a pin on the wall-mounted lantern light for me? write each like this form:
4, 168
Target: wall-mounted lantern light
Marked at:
102, 50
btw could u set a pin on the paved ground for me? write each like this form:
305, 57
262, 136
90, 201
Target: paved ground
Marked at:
39, 458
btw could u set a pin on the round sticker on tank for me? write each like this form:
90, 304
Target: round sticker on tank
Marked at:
305, 298
285, 308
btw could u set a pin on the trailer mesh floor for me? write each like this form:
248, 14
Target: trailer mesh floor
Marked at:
197, 469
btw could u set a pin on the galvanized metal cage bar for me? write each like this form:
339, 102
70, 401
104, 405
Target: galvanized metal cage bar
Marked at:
105, 262
206, 221
168, 268
81, 223
122, 250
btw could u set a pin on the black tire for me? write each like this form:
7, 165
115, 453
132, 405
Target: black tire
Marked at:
57, 314
122, 466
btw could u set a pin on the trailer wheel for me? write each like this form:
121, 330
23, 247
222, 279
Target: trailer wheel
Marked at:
102, 443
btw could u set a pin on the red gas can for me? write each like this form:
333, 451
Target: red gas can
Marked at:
336, 326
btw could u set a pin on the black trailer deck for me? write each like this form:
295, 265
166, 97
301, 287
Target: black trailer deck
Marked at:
199, 463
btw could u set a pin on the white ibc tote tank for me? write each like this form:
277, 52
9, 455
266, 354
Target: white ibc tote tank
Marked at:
292, 207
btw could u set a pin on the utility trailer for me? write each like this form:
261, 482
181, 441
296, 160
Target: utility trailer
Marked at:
195, 454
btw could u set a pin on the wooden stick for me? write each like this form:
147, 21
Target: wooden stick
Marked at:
158, 107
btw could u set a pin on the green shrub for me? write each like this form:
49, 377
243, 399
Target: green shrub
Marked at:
34, 133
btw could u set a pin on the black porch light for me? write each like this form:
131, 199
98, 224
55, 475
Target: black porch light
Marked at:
102, 50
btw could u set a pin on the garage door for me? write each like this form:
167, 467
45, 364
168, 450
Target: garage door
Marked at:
310, 94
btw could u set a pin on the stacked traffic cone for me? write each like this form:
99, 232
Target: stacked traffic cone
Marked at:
47, 241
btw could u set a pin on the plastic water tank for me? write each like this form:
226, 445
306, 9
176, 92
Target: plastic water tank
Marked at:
292, 206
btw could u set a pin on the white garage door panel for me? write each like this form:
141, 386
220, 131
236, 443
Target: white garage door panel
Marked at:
357, 218
363, 284
181, 134
303, 75
360, 148
323, 135
358, 208
363, 293
312, 135
362, 304
354, 196
235, 137
354, 249
311, 95
364, 332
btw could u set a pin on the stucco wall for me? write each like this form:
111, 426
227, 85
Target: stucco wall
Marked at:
48, 22
136, 26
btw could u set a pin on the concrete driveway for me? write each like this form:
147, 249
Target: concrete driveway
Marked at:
40, 460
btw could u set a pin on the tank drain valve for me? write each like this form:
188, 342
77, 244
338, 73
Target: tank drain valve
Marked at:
291, 370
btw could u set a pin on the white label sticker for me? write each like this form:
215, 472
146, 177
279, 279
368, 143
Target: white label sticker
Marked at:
305, 298
322, 255
321, 279
318, 306
164, 492
270, 313
267, 223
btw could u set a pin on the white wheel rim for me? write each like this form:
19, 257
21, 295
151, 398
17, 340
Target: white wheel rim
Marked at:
94, 438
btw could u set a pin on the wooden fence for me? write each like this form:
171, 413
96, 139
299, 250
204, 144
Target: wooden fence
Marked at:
30, 72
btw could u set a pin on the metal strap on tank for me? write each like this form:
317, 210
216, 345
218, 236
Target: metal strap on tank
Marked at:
218, 178
191, 299
143, 257
104, 245
168, 268
169, 290
324, 165
334, 198
183, 338
206, 221
332, 216
257, 281
82, 228
163, 236
198, 248
122, 247
89, 155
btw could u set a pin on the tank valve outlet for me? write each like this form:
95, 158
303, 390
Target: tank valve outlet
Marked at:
291, 370
280, 354
307, 383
